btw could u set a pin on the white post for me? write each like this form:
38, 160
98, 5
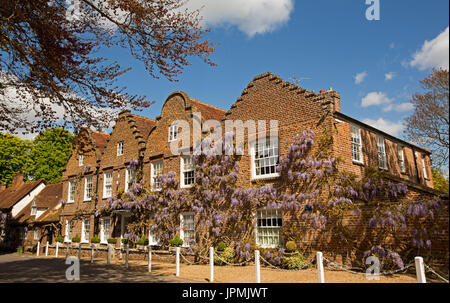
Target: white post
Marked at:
67, 250
319, 259
420, 270
108, 258
56, 250
79, 251
126, 257
178, 262
38, 248
149, 258
211, 264
257, 269
46, 249
92, 252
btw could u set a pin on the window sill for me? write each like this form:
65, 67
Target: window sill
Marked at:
358, 163
87, 200
186, 186
267, 177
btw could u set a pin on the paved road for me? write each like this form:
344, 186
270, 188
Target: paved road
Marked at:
27, 268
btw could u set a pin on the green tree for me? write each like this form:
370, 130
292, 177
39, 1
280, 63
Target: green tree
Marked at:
13, 156
49, 154
439, 181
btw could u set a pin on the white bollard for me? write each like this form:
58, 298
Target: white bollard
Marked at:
420, 270
92, 252
108, 258
178, 262
38, 248
257, 269
319, 259
67, 250
127, 255
149, 258
79, 251
56, 249
211, 264
46, 249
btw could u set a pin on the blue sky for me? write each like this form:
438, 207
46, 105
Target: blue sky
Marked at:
328, 43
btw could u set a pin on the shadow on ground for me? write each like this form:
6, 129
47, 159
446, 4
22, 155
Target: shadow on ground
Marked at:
25, 268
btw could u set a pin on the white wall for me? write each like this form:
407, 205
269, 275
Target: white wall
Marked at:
26, 200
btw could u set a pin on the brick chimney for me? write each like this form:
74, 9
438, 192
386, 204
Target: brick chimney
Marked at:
332, 100
17, 180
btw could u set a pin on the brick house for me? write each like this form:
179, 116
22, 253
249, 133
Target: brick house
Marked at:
80, 182
40, 218
158, 156
13, 200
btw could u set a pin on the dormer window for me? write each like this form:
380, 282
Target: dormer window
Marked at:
173, 132
120, 148
33, 208
81, 160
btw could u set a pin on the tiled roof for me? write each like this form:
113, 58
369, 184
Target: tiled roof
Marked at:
208, 111
101, 139
48, 198
51, 215
144, 125
10, 196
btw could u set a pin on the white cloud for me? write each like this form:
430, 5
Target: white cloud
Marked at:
360, 77
375, 98
404, 107
250, 16
434, 53
392, 128
389, 76
392, 45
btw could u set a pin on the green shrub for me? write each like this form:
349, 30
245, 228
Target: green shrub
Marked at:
59, 239
125, 241
112, 241
95, 239
76, 239
142, 241
176, 241
293, 262
227, 255
221, 246
291, 246
19, 250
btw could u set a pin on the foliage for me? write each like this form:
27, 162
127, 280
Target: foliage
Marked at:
439, 181
125, 241
76, 239
293, 262
95, 239
429, 124
112, 241
142, 241
13, 156
59, 239
291, 246
49, 154
227, 254
176, 241
221, 246
49, 56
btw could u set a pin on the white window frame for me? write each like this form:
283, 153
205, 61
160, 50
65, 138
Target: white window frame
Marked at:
381, 148
120, 148
401, 158
104, 236
33, 208
156, 169
356, 140
262, 231
425, 172
83, 230
81, 160
107, 181
274, 155
72, 186
183, 171
68, 231
173, 132
36, 234
182, 231
127, 177
86, 197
